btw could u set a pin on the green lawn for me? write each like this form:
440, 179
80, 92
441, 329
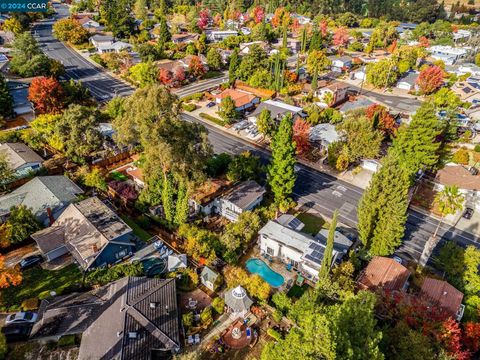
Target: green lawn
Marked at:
313, 223
141, 233
212, 74
115, 175
36, 281
297, 291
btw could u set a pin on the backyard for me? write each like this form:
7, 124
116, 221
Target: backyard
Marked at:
141, 233
38, 283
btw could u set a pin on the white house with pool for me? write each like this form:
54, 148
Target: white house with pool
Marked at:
282, 239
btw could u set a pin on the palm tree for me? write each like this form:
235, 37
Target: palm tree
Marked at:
449, 201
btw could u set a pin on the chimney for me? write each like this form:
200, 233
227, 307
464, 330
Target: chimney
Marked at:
51, 220
94, 248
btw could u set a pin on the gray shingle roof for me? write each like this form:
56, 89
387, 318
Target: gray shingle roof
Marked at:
19, 154
209, 275
39, 194
244, 194
112, 315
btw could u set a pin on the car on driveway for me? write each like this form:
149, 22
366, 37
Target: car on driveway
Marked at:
211, 104
17, 332
21, 317
30, 261
468, 213
241, 125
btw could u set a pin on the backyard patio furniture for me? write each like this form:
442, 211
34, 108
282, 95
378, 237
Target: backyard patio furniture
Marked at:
249, 332
289, 267
190, 340
300, 280
197, 338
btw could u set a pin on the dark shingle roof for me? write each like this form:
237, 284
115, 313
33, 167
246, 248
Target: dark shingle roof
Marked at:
244, 194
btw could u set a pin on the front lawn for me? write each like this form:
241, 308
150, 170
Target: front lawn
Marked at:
313, 223
37, 281
141, 233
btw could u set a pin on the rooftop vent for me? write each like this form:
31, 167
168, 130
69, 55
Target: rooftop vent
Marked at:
153, 305
132, 335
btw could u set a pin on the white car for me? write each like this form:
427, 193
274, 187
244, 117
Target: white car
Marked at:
21, 317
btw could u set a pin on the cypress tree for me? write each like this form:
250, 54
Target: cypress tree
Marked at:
315, 80
6, 101
233, 66
164, 35
328, 254
304, 40
416, 144
281, 171
383, 207
181, 209
284, 41
167, 198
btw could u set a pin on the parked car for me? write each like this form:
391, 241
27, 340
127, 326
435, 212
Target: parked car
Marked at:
241, 125
21, 317
17, 332
30, 261
253, 134
211, 104
468, 213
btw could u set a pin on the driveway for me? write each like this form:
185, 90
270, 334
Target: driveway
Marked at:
13, 257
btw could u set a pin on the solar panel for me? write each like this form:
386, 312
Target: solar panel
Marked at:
294, 223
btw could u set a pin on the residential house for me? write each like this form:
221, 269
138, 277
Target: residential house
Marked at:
243, 100
294, 45
468, 68
170, 65
244, 48
220, 35
278, 110
403, 27
408, 81
116, 47
468, 91
21, 105
90, 24
333, 94
243, 197
21, 159
91, 232
341, 63
184, 38
282, 239
448, 54
440, 293
176, 262
136, 174
46, 196
101, 40
134, 318
461, 35
323, 135
203, 200
360, 74
210, 278
238, 303
467, 182
3, 61
370, 165
385, 274
188, 59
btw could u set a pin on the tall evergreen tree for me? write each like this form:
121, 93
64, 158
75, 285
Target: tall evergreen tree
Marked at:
282, 168
181, 209
117, 15
140, 9
164, 35
328, 254
233, 66
6, 101
417, 144
383, 207
167, 198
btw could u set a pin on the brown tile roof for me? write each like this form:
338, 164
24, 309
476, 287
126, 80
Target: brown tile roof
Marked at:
384, 273
240, 98
442, 294
458, 175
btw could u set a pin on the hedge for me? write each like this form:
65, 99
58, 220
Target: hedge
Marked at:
212, 119
189, 107
274, 334
196, 96
30, 304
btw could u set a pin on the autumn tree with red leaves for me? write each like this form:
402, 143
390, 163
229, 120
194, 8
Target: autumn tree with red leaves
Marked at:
165, 76
323, 27
281, 18
47, 95
423, 42
430, 79
341, 37
8, 276
179, 75
382, 119
258, 14
450, 336
301, 135
196, 67
203, 18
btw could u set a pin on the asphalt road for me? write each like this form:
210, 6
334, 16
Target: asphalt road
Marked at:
326, 193
199, 86
101, 85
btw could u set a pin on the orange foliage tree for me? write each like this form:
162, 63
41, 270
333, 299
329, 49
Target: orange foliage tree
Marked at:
430, 79
47, 95
382, 119
341, 37
196, 67
301, 134
8, 276
281, 17
165, 76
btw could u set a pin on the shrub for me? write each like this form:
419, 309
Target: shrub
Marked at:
218, 305
187, 319
461, 157
196, 96
189, 107
30, 304
477, 148
212, 119
67, 340
282, 302
206, 317
44, 295
277, 315
274, 334
98, 59
107, 275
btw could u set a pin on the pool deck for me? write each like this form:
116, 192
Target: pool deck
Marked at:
279, 267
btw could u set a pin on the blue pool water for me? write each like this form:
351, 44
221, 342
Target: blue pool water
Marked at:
257, 266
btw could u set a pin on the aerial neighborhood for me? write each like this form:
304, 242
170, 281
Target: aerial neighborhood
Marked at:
240, 180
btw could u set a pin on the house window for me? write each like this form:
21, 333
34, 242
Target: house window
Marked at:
270, 251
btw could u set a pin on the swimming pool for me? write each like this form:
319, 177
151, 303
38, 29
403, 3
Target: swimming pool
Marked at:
257, 266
